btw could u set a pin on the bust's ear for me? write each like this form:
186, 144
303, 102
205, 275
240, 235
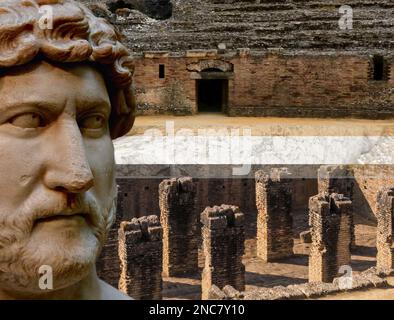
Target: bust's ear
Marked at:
123, 112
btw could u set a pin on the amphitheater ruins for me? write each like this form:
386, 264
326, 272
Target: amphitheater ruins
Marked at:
183, 233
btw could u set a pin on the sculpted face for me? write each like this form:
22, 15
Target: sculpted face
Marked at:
57, 184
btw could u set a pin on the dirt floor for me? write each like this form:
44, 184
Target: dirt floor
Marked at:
261, 126
293, 270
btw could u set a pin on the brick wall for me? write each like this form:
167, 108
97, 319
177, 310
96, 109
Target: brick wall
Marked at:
269, 84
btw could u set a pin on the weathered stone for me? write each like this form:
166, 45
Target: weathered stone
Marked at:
223, 247
232, 293
330, 218
385, 231
140, 253
156, 9
216, 294
337, 179
180, 220
306, 236
303, 36
274, 220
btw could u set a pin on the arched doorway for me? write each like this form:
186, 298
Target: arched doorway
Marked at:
212, 91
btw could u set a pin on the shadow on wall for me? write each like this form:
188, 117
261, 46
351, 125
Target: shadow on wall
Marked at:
361, 205
139, 196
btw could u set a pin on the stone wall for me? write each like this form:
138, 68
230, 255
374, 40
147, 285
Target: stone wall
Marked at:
295, 85
369, 180
299, 25
287, 56
223, 246
367, 279
330, 217
385, 256
336, 179
140, 253
274, 220
180, 220
139, 189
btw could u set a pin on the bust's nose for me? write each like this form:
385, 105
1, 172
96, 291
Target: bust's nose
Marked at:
67, 166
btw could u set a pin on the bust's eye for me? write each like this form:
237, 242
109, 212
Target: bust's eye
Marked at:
29, 120
95, 121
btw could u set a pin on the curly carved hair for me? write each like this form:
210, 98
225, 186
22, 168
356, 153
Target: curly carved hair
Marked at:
73, 34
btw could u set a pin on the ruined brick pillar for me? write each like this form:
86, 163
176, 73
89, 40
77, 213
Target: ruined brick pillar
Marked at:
180, 220
337, 179
223, 244
274, 220
140, 254
385, 230
330, 217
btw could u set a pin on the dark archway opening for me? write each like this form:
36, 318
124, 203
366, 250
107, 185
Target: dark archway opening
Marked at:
212, 94
115, 5
379, 65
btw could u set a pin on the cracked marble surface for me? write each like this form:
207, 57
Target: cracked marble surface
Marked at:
289, 150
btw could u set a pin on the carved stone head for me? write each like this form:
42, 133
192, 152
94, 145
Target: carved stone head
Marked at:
65, 93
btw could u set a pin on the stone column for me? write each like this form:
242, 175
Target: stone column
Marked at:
384, 239
337, 179
330, 217
180, 220
274, 220
223, 244
140, 254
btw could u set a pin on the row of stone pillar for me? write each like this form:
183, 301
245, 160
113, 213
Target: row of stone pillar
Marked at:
330, 221
149, 249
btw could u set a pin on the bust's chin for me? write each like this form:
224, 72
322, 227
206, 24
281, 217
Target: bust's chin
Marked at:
70, 254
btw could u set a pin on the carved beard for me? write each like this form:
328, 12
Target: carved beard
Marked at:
71, 258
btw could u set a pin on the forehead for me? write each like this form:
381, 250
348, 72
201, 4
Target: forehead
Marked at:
54, 83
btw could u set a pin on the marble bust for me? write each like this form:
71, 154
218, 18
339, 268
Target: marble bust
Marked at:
65, 94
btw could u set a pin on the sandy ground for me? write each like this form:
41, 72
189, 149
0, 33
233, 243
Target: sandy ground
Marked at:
261, 126
375, 294
293, 270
